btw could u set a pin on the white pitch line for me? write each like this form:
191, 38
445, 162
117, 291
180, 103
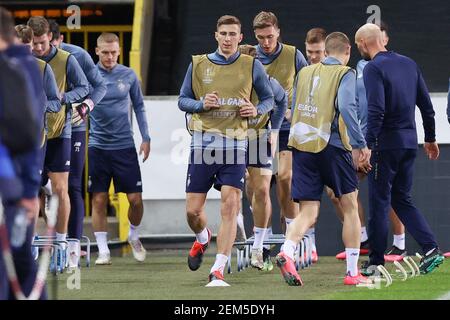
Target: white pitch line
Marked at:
445, 296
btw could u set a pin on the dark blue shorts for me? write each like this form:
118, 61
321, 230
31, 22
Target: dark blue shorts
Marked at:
283, 139
228, 170
332, 167
57, 155
259, 153
120, 165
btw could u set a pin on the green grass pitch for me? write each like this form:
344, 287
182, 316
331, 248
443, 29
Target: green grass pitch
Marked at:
165, 276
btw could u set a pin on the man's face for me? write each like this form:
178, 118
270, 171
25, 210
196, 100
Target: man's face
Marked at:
57, 42
108, 53
228, 37
362, 48
384, 38
268, 38
41, 45
315, 52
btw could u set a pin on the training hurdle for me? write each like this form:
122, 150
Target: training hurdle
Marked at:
243, 252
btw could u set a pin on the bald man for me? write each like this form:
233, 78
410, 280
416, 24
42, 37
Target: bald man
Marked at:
394, 86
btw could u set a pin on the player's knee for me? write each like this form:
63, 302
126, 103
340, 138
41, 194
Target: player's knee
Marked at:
99, 201
349, 203
230, 206
61, 189
135, 200
261, 193
193, 212
284, 178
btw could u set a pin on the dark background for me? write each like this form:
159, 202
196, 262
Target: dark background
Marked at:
418, 29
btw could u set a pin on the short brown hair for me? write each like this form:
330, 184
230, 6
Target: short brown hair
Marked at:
316, 35
336, 42
6, 25
265, 19
39, 25
227, 19
24, 33
107, 37
247, 49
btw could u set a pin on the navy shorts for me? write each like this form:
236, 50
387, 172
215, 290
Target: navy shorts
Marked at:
259, 152
283, 139
57, 155
332, 167
120, 165
228, 170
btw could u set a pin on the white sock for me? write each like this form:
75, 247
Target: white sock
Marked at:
399, 241
288, 222
202, 237
102, 242
269, 233
219, 264
311, 232
260, 234
133, 233
240, 220
289, 248
74, 247
364, 236
61, 237
352, 260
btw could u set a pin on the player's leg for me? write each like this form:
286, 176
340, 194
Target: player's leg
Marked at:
78, 148
410, 216
199, 180
288, 208
398, 249
127, 179
307, 188
58, 153
99, 182
262, 210
100, 226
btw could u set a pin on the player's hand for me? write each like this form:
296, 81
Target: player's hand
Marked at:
247, 109
211, 101
80, 111
31, 206
145, 148
432, 150
288, 115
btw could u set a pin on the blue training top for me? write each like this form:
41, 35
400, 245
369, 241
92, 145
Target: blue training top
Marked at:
394, 86
97, 85
188, 103
281, 104
110, 121
300, 62
78, 87
361, 99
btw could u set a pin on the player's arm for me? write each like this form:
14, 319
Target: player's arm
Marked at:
262, 88
347, 108
281, 104
97, 85
137, 100
373, 82
423, 101
300, 61
53, 103
78, 84
186, 100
